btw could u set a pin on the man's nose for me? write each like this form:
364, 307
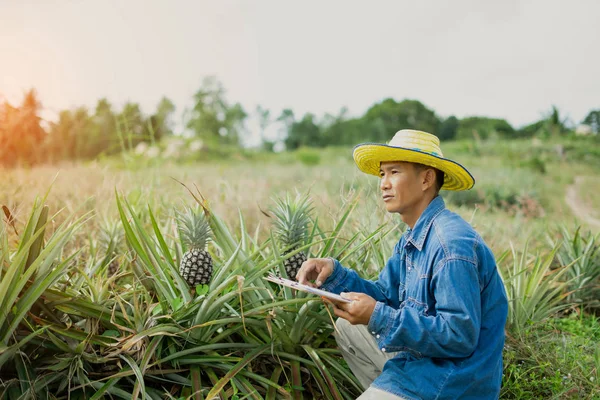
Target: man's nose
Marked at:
385, 183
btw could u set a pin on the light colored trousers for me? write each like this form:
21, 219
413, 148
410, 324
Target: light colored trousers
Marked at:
364, 358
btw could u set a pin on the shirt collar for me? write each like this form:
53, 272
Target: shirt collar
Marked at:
417, 235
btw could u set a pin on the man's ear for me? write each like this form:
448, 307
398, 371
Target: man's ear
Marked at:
429, 178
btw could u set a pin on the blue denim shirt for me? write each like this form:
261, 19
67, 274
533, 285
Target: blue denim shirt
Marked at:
441, 305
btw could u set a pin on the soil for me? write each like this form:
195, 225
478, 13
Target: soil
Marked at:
581, 210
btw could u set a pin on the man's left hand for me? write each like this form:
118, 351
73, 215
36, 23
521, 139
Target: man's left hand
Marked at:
358, 311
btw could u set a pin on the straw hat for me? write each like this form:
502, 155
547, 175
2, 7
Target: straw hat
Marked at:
416, 147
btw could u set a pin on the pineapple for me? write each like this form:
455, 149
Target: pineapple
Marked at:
111, 238
291, 229
196, 264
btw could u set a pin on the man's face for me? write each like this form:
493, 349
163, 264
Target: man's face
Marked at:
401, 186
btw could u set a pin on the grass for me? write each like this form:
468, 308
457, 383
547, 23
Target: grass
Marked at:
248, 185
559, 360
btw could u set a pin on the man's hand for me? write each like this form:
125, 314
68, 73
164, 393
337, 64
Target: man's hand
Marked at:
357, 312
315, 269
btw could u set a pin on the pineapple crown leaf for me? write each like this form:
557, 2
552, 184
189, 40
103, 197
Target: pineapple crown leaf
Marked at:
193, 228
292, 217
111, 233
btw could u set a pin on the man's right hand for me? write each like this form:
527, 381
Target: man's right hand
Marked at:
315, 269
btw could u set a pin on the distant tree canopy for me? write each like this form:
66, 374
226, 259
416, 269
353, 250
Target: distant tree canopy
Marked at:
377, 125
483, 128
77, 134
21, 133
213, 118
448, 128
593, 120
388, 116
80, 134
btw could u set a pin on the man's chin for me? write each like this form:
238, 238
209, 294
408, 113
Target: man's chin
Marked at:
391, 208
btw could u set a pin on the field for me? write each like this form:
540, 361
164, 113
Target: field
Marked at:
68, 325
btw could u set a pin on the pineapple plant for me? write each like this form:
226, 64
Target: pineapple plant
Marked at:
290, 227
111, 238
196, 264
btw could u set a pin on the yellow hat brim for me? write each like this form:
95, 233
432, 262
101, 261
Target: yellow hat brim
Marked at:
369, 156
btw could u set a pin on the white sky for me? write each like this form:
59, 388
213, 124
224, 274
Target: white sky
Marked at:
509, 59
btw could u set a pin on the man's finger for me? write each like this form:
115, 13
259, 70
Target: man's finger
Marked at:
307, 266
337, 303
341, 313
323, 275
350, 295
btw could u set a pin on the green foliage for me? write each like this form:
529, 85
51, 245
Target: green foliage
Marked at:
552, 125
483, 128
534, 129
558, 359
212, 118
535, 163
497, 196
27, 273
448, 128
292, 217
308, 156
389, 116
582, 250
593, 120
240, 335
535, 292
81, 134
305, 132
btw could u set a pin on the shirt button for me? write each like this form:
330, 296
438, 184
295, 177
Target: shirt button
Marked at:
377, 336
373, 333
383, 349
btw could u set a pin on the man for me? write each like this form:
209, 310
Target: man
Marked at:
432, 325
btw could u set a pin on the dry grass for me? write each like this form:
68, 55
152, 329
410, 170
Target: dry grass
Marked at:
248, 186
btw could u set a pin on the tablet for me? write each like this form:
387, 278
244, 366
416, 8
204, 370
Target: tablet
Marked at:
305, 288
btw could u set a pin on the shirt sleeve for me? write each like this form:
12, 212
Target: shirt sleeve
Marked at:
454, 329
384, 289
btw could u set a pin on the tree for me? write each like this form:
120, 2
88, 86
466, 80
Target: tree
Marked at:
132, 127
389, 116
304, 133
21, 133
286, 120
106, 138
448, 128
483, 128
264, 120
212, 118
593, 120
159, 123
341, 130
69, 137
533, 129
555, 125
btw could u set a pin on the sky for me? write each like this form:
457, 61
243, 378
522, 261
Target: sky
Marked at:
507, 59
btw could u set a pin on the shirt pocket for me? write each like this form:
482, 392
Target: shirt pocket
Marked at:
418, 285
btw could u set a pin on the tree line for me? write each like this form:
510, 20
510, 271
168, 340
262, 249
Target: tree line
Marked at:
82, 134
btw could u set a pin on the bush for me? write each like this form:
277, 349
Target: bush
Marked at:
308, 156
468, 198
498, 197
535, 163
